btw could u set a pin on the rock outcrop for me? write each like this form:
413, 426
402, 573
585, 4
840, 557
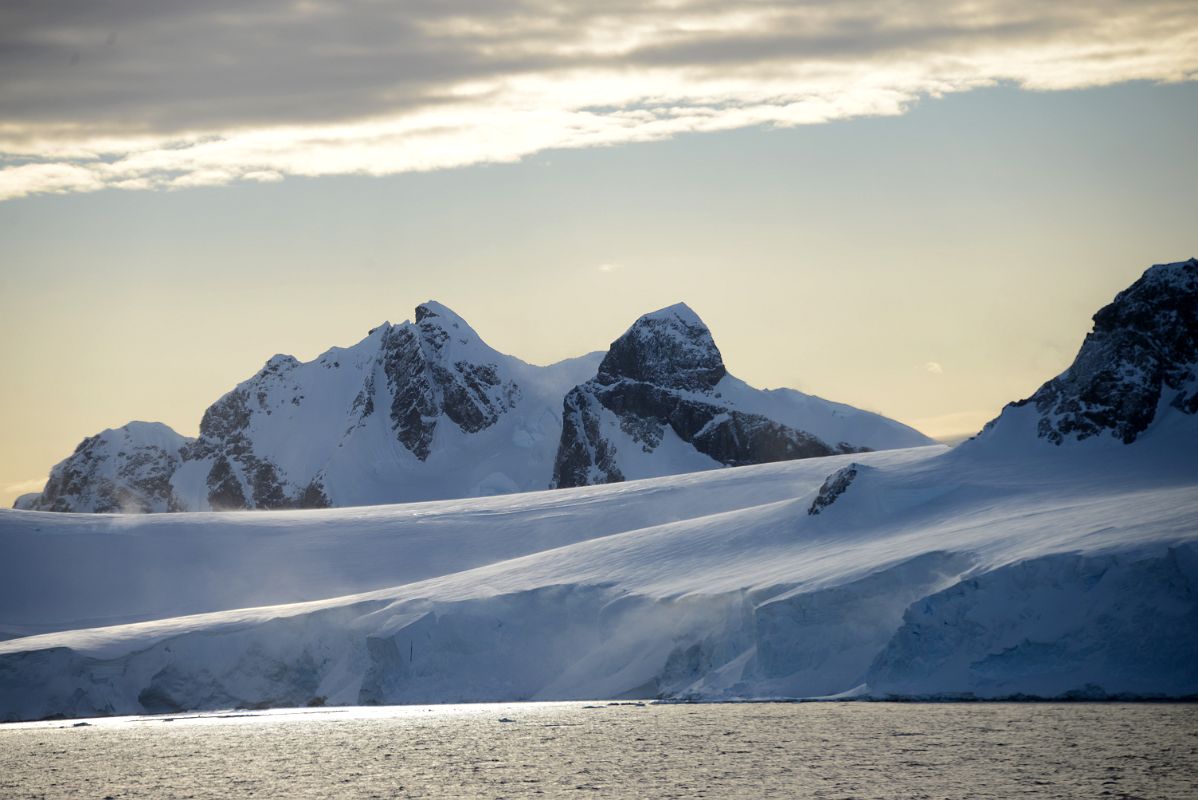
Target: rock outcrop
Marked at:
1140, 359
126, 469
662, 396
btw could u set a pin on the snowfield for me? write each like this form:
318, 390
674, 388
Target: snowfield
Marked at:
974, 572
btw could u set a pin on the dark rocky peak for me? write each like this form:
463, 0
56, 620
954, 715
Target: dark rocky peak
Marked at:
126, 469
440, 327
438, 366
1142, 352
434, 310
660, 375
671, 348
278, 364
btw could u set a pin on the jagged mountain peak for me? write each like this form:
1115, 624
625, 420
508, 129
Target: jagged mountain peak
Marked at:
679, 311
445, 336
670, 347
278, 363
119, 469
444, 314
431, 316
662, 401
1138, 362
438, 366
149, 433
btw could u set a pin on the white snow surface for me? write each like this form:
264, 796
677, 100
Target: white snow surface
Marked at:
981, 572
832, 422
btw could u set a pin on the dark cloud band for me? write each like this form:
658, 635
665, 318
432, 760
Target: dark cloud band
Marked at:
148, 93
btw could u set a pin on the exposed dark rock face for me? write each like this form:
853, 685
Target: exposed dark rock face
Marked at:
671, 348
731, 437
413, 396
585, 456
424, 386
1143, 349
313, 495
833, 487
238, 477
224, 490
662, 373
123, 470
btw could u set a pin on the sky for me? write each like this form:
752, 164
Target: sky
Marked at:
911, 207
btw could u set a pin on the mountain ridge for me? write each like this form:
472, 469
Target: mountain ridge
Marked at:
426, 409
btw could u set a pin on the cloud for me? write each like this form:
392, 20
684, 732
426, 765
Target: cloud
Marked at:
154, 94
608, 268
934, 368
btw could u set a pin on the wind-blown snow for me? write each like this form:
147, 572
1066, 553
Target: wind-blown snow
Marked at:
81, 570
710, 585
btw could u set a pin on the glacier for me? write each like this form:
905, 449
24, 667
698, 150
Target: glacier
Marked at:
937, 573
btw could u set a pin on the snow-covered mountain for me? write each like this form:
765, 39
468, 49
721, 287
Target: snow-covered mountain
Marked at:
1136, 368
416, 411
663, 403
127, 469
1006, 567
426, 410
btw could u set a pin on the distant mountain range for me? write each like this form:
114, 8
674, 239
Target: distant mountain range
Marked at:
426, 410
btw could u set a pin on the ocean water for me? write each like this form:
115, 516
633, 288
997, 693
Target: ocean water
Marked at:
808, 750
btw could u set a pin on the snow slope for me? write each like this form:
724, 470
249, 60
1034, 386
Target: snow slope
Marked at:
64, 571
759, 601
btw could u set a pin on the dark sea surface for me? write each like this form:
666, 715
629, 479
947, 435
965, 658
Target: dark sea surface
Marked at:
809, 750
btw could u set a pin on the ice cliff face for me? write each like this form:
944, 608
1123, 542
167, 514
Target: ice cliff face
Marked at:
126, 469
662, 401
1059, 626
1139, 361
